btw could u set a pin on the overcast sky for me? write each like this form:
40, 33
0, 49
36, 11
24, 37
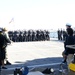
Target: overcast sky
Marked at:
37, 14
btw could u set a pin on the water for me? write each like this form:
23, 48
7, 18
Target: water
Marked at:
53, 34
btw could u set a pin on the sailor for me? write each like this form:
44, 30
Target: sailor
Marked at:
4, 30
2, 49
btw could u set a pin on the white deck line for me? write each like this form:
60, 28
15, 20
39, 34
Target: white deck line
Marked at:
45, 65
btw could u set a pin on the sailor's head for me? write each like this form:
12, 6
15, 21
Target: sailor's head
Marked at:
69, 31
68, 25
4, 29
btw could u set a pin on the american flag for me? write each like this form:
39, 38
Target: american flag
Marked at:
12, 20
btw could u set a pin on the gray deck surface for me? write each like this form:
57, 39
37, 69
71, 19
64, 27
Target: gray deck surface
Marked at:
35, 53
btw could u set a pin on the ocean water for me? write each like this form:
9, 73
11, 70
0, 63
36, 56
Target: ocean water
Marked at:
53, 34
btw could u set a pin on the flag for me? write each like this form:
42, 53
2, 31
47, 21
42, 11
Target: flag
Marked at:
12, 20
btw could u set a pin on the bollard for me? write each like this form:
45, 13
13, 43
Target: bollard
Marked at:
18, 72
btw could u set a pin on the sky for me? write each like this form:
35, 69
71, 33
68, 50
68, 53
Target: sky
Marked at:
36, 14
